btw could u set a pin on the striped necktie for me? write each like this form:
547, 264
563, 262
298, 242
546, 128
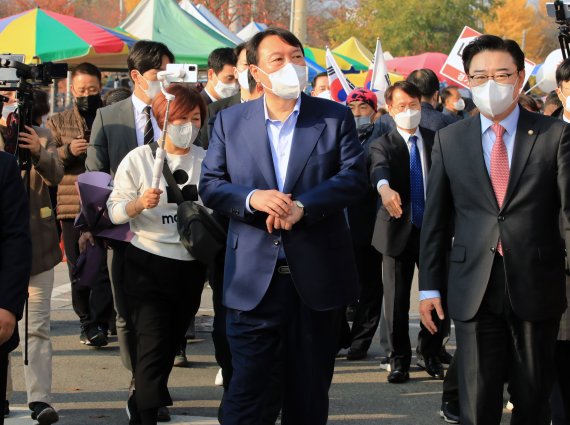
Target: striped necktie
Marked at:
148, 130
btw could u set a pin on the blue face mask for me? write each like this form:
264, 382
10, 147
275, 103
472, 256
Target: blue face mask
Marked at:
361, 121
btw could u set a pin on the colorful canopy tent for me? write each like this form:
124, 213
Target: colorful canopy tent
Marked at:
354, 49
163, 20
250, 30
358, 79
346, 64
313, 69
202, 14
51, 36
406, 64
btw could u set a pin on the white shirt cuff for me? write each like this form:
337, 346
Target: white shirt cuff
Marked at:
380, 184
247, 206
425, 295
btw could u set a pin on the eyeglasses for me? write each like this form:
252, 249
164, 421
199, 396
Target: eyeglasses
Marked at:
501, 77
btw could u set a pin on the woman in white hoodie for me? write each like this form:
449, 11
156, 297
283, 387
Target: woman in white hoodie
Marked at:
161, 277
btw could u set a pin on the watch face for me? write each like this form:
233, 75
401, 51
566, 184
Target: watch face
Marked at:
299, 204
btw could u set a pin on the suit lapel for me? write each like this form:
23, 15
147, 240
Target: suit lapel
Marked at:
127, 116
524, 142
474, 148
257, 141
307, 132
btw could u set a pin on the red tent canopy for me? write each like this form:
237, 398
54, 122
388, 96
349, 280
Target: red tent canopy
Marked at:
406, 64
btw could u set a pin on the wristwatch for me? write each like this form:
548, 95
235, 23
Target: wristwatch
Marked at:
300, 205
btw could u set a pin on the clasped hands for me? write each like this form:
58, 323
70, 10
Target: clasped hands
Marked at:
283, 212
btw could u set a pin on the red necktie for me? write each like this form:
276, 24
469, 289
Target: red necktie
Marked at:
499, 169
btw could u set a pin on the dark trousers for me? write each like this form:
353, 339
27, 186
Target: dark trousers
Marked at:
398, 273
163, 296
451, 381
496, 342
3, 378
560, 399
93, 305
369, 307
125, 328
281, 327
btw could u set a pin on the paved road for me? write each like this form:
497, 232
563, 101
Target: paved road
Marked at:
90, 385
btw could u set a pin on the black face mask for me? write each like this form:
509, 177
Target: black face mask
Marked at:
89, 104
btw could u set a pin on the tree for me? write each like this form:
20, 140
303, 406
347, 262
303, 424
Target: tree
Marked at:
526, 24
407, 27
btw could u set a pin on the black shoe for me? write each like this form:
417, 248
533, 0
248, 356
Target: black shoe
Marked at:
132, 410
450, 412
43, 413
96, 337
83, 337
444, 356
6, 408
180, 359
356, 354
163, 414
434, 368
398, 376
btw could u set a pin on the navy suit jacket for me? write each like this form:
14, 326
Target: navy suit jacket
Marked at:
326, 172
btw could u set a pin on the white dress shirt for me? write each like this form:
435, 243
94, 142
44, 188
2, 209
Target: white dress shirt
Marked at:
140, 120
488, 140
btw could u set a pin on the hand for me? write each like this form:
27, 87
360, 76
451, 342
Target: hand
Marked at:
276, 223
272, 202
391, 201
30, 140
149, 198
83, 239
78, 147
7, 325
426, 308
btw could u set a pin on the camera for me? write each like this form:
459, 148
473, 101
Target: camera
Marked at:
21, 78
560, 11
182, 73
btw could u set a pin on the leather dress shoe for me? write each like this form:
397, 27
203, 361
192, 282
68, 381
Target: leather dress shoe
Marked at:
450, 412
356, 354
398, 376
434, 368
163, 414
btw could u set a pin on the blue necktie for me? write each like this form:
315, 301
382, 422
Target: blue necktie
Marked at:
416, 184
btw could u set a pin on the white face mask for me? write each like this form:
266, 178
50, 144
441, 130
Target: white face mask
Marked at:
8, 109
459, 105
225, 90
493, 98
325, 95
363, 120
243, 79
153, 88
182, 136
288, 82
409, 119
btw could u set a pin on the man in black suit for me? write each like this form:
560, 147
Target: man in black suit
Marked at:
222, 82
15, 259
502, 177
399, 167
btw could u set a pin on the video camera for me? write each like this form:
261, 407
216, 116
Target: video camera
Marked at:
21, 78
560, 10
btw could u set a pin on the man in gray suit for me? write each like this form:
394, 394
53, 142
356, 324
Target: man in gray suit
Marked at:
118, 129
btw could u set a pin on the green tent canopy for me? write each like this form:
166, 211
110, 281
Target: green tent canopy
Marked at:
163, 20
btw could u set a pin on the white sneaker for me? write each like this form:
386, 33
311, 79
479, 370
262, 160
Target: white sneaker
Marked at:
509, 406
385, 364
219, 381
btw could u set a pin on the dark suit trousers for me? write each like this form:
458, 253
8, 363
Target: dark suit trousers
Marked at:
281, 327
369, 307
496, 341
560, 399
3, 376
398, 273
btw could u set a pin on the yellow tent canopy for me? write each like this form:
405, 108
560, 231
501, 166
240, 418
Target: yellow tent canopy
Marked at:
354, 49
358, 79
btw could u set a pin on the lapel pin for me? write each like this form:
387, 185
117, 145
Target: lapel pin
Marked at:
530, 132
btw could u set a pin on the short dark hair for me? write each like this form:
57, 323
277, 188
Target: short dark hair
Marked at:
221, 57
254, 42
407, 87
493, 43
425, 80
116, 95
563, 72
528, 102
319, 75
40, 106
447, 92
553, 99
186, 99
146, 55
87, 69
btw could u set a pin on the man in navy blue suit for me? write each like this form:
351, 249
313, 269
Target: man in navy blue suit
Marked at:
284, 168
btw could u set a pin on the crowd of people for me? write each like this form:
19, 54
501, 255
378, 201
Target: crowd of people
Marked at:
329, 209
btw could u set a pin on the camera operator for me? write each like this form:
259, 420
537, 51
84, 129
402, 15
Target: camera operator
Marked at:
47, 170
14, 244
71, 131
